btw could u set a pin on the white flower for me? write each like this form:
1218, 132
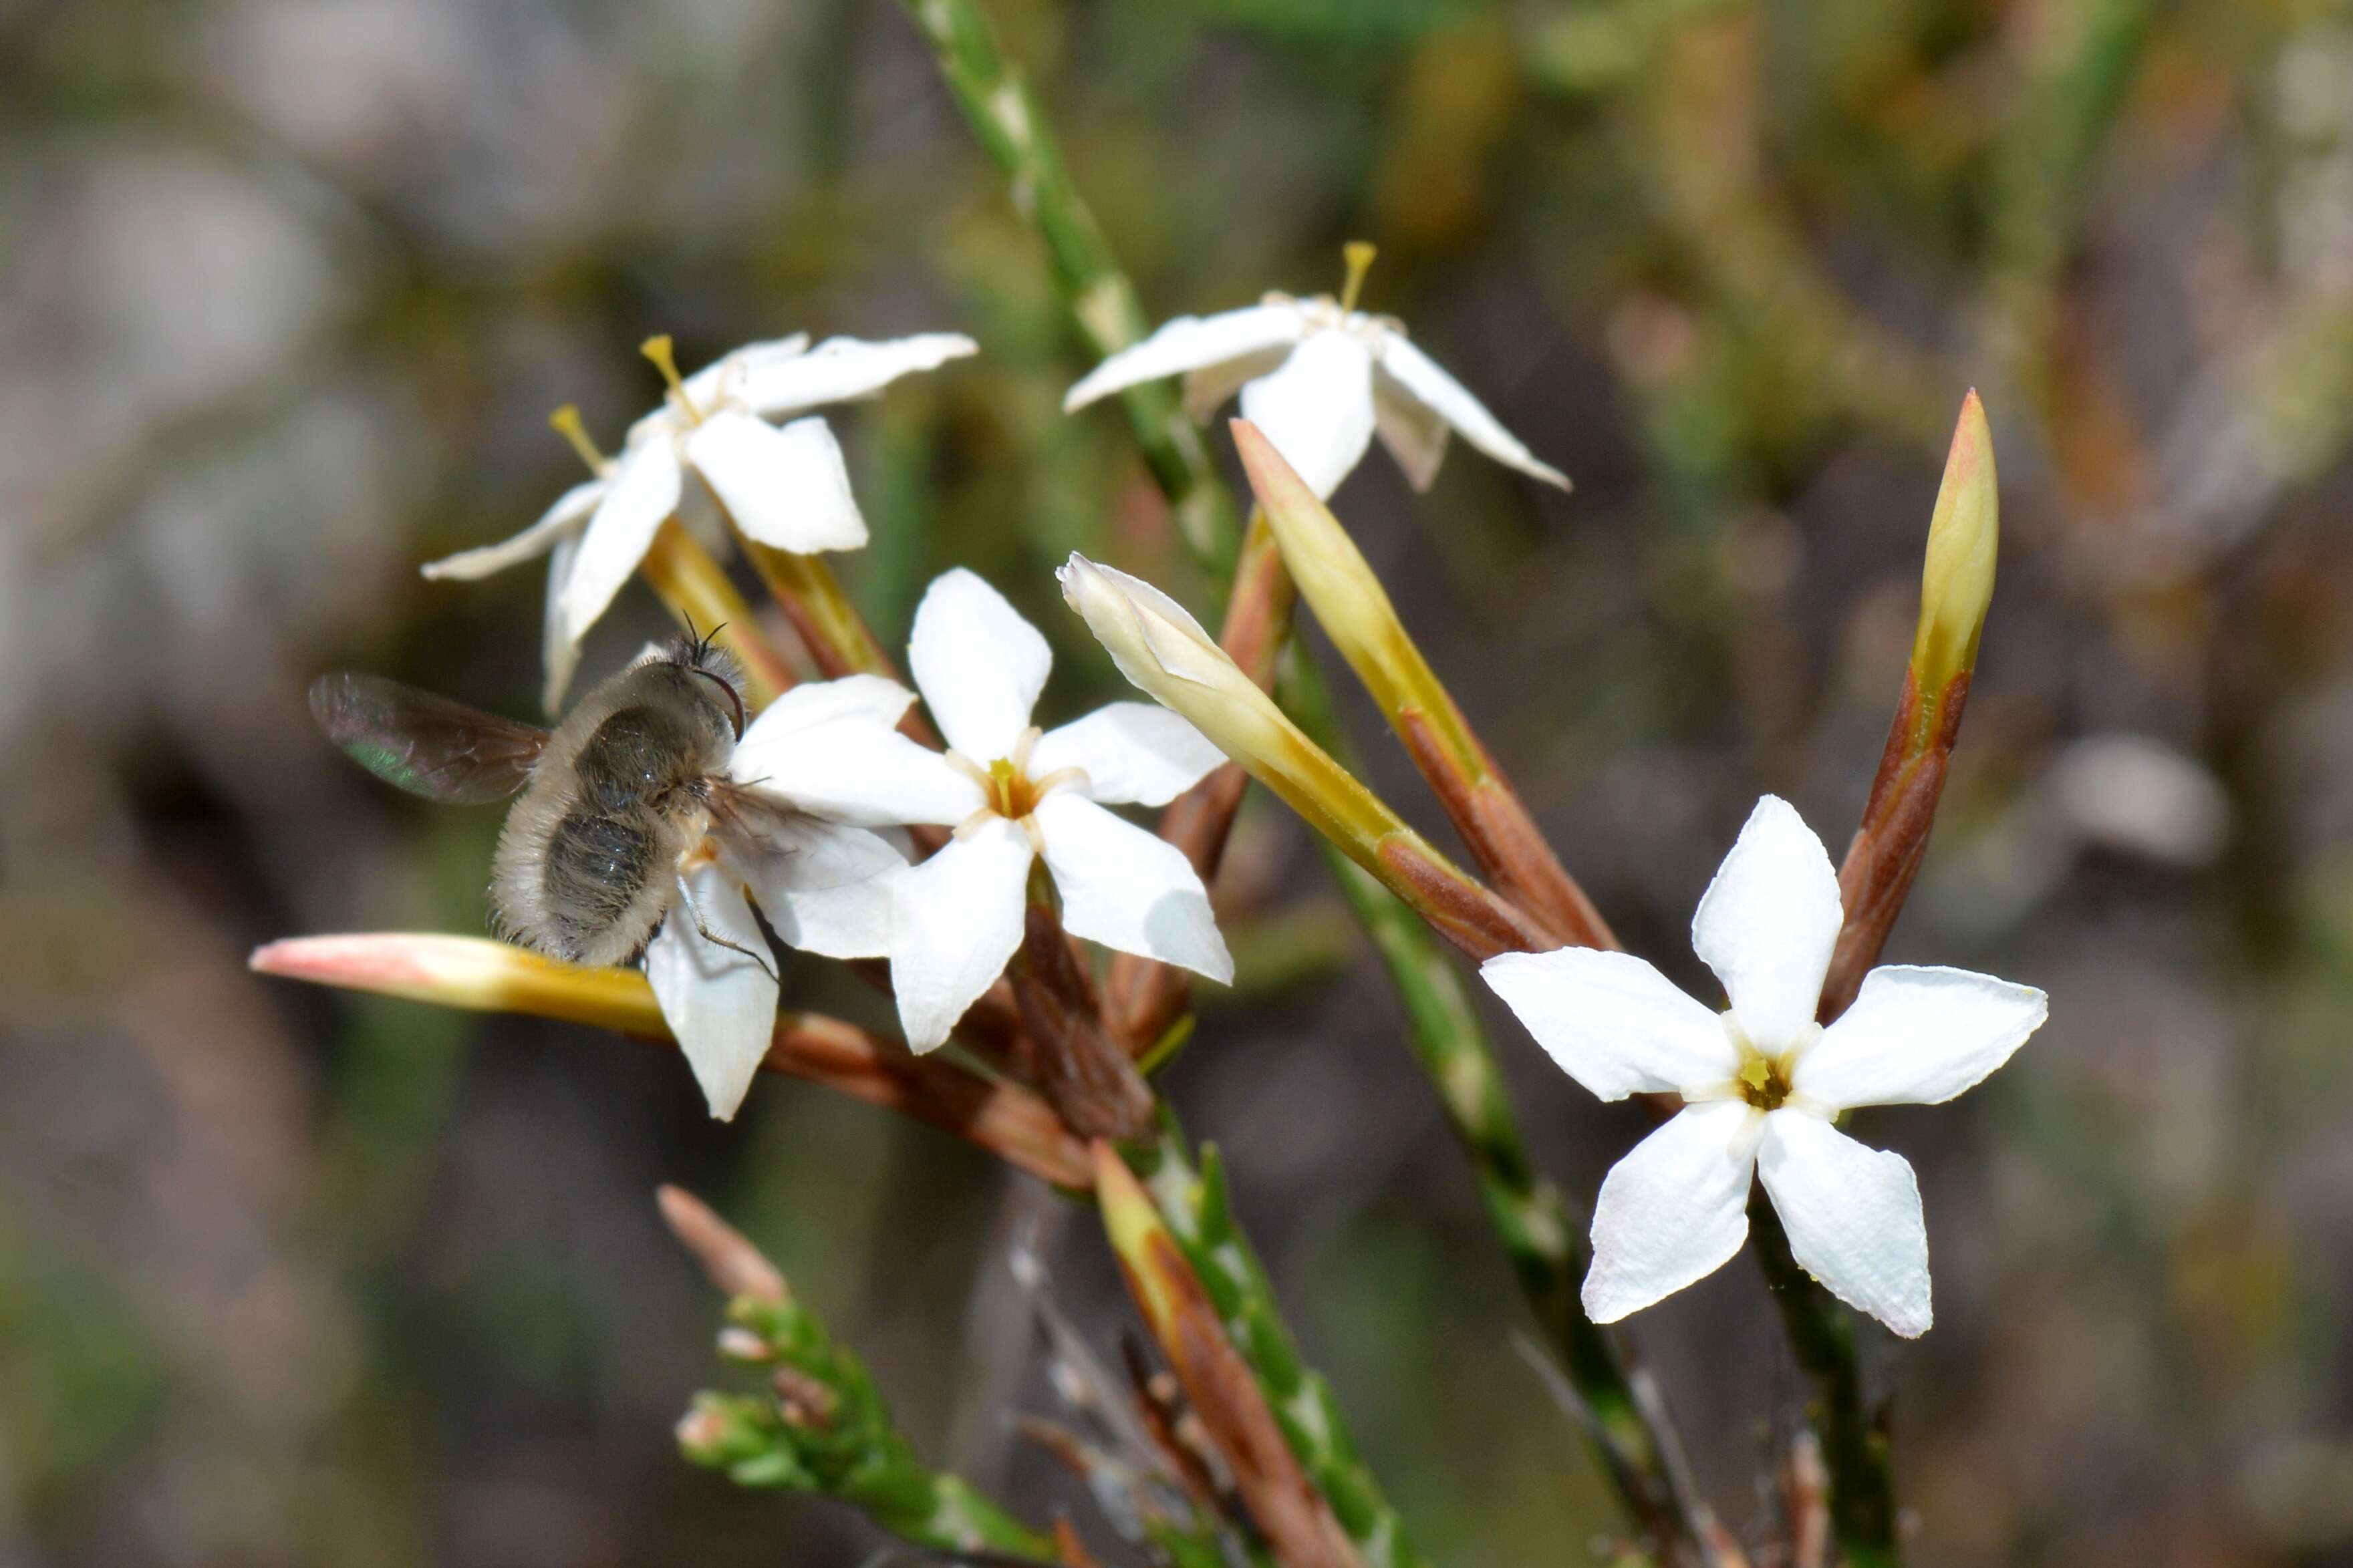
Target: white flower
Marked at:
1012, 794
787, 487
1763, 1083
1320, 379
824, 888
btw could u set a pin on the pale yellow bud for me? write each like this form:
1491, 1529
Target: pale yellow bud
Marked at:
469, 971
1339, 586
1964, 534
1165, 652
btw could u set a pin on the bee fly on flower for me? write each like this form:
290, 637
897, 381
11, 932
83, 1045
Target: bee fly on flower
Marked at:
617, 807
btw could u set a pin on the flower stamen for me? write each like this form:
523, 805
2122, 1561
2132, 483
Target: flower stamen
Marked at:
1007, 789
1359, 254
567, 422
658, 349
1763, 1083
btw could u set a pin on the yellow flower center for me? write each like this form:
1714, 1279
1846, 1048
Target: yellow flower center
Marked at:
1763, 1083
1010, 792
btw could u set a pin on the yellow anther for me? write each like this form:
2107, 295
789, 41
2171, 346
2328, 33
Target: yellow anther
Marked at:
1763, 1084
659, 350
565, 422
1359, 254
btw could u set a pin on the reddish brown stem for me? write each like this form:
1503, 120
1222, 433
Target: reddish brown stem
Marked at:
1218, 1382
1003, 1117
1888, 847
1093, 1085
1501, 836
1458, 908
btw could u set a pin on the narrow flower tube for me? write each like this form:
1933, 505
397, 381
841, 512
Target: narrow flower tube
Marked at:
1956, 590
481, 975
1354, 609
1165, 653
809, 593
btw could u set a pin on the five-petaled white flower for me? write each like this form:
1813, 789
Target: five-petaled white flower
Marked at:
1012, 794
787, 487
1320, 378
825, 889
1763, 1083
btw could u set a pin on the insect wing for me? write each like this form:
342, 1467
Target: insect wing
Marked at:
423, 743
779, 847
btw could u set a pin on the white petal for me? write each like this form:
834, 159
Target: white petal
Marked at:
825, 889
559, 655
1318, 408
1412, 431
788, 488
1673, 1210
1919, 1037
978, 665
556, 524
1133, 753
1767, 922
699, 513
643, 493
839, 369
958, 920
720, 1004
1613, 1023
722, 380
813, 705
1419, 376
1128, 889
1853, 1217
861, 773
1208, 387
1192, 343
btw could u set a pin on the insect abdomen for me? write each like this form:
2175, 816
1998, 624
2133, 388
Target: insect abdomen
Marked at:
597, 868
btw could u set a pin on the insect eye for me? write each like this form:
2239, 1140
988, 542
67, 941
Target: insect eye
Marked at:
735, 702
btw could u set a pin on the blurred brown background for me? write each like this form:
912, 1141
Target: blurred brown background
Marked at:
286, 287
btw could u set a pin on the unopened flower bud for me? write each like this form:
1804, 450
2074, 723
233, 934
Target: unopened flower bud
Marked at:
1166, 654
1340, 587
469, 971
1956, 584
721, 1430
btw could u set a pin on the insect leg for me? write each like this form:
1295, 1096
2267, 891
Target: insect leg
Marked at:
703, 929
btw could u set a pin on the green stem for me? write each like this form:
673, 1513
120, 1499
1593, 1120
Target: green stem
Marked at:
1194, 1202
1006, 119
1538, 1229
1541, 1233
1854, 1444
